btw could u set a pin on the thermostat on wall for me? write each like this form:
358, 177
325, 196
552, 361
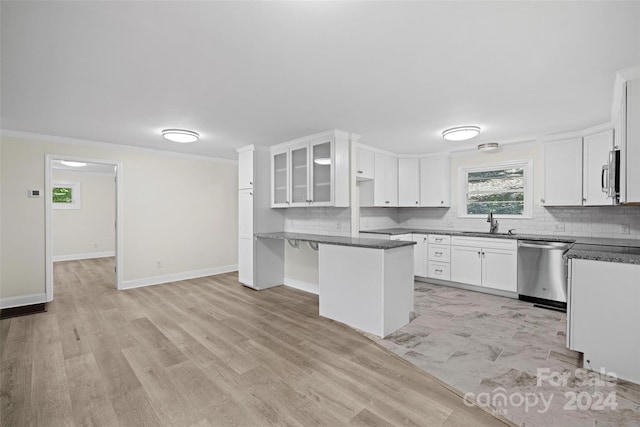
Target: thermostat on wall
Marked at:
35, 193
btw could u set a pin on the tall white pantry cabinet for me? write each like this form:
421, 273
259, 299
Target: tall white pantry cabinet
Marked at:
256, 216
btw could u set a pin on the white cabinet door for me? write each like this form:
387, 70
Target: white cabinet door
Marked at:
245, 170
632, 143
365, 164
385, 189
299, 175
321, 169
562, 173
409, 182
466, 265
596, 150
245, 213
603, 316
280, 197
420, 255
435, 179
245, 261
500, 269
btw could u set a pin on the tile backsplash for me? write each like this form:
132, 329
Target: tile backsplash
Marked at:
610, 221
327, 220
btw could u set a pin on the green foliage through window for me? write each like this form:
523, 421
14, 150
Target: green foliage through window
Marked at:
62, 195
501, 191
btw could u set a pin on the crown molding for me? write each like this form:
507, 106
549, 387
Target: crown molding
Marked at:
577, 133
7, 133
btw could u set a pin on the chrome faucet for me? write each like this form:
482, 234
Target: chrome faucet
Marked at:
494, 223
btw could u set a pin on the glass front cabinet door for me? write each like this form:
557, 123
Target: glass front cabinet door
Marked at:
321, 168
280, 196
300, 176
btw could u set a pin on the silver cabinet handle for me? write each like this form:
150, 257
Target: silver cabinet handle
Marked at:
542, 200
250, 182
387, 202
438, 271
360, 172
478, 254
416, 202
438, 253
251, 194
442, 202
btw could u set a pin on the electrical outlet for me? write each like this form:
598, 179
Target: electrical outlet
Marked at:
338, 226
624, 228
558, 226
159, 264
291, 222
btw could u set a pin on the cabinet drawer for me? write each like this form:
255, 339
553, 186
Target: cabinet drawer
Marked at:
439, 253
439, 239
439, 270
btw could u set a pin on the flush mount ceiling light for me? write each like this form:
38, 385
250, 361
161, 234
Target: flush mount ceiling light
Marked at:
489, 146
182, 136
323, 161
73, 164
461, 133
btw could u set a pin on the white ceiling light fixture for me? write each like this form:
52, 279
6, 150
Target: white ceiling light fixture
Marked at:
489, 146
73, 164
323, 161
461, 133
181, 136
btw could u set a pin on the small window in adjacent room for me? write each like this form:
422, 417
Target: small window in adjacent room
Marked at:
503, 188
66, 195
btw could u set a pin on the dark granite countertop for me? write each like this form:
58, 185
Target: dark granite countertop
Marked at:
338, 240
594, 248
622, 254
539, 237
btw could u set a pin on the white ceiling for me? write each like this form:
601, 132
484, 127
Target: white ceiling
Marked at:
397, 73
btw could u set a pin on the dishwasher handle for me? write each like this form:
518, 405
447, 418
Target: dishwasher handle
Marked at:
545, 245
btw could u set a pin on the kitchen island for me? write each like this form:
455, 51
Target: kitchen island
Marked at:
364, 283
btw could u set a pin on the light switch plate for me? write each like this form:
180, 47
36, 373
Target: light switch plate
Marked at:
558, 226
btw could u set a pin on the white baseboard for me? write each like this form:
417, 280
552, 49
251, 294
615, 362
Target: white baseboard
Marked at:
313, 288
175, 277
87, 255
23, 300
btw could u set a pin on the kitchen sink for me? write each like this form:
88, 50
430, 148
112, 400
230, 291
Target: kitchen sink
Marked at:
487, 233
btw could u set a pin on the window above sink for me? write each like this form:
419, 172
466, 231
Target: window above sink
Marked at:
502, 188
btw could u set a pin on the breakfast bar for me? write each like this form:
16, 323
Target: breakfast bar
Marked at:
364, 283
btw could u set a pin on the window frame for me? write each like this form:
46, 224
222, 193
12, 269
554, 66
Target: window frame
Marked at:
76, 195
463, 185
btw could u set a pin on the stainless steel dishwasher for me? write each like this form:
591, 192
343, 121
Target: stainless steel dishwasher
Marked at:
542, 272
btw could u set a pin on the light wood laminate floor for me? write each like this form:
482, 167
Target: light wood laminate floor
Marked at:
205, 352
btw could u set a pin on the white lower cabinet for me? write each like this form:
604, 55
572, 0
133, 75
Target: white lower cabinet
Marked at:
467, 265
603, 316
439, 257
490, 263
439, 270
420, 255
245, 261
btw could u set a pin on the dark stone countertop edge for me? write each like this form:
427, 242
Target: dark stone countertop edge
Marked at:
338, 240
603, 241
620, 254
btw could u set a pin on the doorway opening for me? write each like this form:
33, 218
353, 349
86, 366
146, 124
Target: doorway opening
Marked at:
83, 209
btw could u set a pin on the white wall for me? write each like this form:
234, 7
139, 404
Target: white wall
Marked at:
179, 210
87, 232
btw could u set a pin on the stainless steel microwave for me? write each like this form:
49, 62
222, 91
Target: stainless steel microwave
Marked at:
611, 177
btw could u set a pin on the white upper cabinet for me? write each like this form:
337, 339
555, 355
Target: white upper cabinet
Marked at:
280, 196
299, 177
311, 171
630, 154
435, 181
562, 173
385, 189
245, 169
365, 164
596, 150
409, 182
